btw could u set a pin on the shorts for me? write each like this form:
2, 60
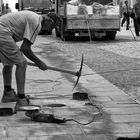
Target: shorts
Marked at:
10, 53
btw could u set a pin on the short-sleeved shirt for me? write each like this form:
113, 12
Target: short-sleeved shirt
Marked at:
15, 27
23, 24
126, 9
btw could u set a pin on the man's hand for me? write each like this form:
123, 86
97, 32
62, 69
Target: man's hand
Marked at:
42, 65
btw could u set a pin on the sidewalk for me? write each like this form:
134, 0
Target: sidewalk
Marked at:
119, 114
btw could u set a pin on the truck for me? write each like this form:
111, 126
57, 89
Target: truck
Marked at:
101, 21
38, 6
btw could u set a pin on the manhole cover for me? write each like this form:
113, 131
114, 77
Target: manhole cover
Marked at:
55, 105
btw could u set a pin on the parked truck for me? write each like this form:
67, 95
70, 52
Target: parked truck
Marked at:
101, 19
38, 6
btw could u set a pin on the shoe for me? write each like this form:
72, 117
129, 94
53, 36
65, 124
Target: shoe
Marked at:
127, 28
22, 102
9, 96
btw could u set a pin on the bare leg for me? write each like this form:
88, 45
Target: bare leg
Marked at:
7, 75
21, 77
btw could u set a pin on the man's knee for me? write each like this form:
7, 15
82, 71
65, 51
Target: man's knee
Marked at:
22, 64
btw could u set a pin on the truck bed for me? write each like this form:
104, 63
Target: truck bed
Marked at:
95, 22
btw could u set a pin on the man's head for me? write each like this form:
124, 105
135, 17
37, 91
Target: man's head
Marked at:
50, 21
6, 5
126, 2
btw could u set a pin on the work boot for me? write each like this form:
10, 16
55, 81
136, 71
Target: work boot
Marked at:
23, 102
9, 96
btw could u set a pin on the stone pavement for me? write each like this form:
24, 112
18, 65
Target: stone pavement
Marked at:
110, 112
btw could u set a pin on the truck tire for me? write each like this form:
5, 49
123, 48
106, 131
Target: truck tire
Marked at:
67, 36
111, 35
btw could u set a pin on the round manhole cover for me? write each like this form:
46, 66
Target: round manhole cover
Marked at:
55, 105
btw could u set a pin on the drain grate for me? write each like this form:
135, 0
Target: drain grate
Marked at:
55, 105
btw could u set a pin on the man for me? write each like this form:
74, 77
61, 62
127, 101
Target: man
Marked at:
21, 26
136, 10
126, 14
6, 9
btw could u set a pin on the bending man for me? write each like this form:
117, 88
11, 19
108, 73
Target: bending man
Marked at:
21, 26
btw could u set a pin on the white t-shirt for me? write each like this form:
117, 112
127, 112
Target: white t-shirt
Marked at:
23, 24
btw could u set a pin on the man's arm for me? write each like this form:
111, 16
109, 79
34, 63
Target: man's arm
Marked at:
26, 49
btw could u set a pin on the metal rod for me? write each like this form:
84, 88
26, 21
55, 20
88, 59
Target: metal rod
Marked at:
132, 34
55, 69
86, 18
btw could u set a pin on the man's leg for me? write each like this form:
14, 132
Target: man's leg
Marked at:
127, 21
20, 78
9, 94
123, 21
7, 77
136, 26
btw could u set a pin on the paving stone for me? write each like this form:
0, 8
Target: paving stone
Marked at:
126, 118
80, 137
15, 138
123, 111
127, 135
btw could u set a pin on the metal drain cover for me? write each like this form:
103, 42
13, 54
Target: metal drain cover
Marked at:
55, 105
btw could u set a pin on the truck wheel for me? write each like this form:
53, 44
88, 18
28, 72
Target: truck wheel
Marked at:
67, 36
110, 35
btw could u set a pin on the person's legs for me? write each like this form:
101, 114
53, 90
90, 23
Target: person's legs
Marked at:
136, 26
123, 21
10, 55
127, 21
20, 80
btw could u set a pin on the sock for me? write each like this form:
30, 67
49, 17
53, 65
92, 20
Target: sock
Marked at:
21, 96
7, 88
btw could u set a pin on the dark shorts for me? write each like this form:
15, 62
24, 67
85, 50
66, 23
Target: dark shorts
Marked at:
10, 53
